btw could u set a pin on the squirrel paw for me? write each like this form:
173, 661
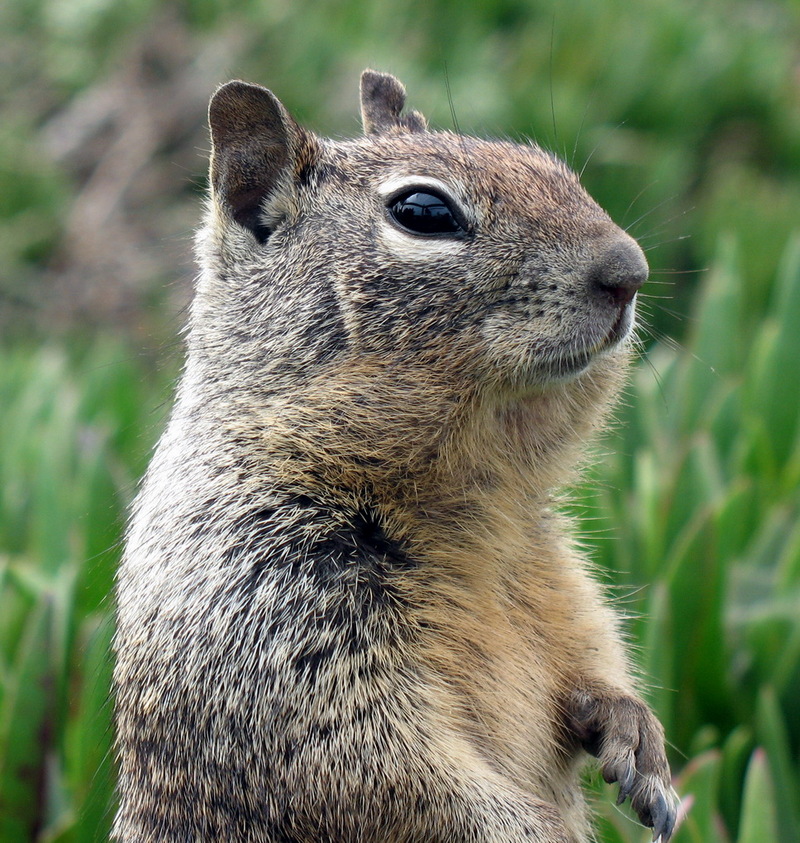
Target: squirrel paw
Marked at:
628, 740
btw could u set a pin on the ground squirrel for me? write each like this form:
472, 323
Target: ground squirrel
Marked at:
349, 609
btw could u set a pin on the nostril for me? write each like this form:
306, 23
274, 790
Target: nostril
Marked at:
619, 272
620, 295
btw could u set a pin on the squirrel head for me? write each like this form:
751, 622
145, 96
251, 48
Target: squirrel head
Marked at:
483, 259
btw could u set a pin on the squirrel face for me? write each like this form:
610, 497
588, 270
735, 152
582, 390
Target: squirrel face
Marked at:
409, 242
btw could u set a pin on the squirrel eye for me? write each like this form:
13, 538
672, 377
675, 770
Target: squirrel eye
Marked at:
424, 213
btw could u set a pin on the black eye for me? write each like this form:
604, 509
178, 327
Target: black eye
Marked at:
424, 213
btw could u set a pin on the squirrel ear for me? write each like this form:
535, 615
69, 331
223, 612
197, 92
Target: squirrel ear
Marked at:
256, 145
382, 100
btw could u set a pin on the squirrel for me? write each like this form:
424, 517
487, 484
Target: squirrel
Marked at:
349, 608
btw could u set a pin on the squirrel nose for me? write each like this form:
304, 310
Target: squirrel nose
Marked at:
619, 272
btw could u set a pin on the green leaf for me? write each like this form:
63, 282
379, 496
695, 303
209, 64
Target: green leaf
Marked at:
88, 745
698, 786
26, 728
718, 321
771, 396
758, 822
735, 756
772, 734
658, 656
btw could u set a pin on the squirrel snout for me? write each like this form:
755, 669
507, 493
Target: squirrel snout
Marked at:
619, 272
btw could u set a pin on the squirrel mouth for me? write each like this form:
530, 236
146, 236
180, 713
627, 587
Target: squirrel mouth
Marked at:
573, 363
620, 329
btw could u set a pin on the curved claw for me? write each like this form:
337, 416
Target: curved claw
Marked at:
626, 781
663, 814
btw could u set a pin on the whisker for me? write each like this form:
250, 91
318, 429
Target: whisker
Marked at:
552, 103
651, 210
636, 199
660, 243
664, 223
679, 272
450, 99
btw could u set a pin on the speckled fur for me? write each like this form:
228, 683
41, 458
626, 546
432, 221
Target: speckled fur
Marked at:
348, 609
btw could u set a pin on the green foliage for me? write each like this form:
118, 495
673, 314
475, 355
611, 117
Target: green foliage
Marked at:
702, 494
75, 438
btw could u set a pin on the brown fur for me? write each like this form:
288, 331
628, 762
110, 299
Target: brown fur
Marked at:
348, 608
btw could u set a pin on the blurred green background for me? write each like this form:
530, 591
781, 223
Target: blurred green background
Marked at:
685, 120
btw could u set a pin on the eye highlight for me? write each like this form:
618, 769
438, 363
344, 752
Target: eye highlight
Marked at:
423, 212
